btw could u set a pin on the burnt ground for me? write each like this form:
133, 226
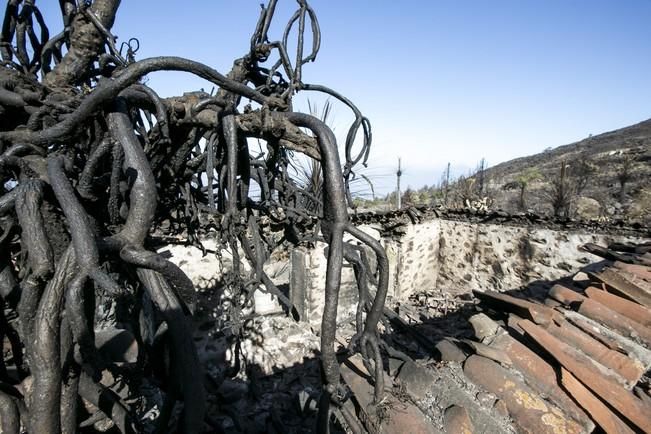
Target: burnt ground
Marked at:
244, 397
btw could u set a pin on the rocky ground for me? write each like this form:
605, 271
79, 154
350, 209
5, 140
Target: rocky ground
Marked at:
277, 384
278, 381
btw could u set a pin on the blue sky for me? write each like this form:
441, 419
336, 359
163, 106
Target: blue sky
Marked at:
440, 80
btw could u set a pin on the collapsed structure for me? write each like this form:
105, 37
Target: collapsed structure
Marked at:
457, 356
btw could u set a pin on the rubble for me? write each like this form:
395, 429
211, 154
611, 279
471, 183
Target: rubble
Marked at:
562, 356
596, 370
565, 361
391, 416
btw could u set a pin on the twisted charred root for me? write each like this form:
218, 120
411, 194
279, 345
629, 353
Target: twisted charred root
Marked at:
92, 160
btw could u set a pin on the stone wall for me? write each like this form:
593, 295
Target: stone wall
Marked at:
455, 257
497, 257
452, 256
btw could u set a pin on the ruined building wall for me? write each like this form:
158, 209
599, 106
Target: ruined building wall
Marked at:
451, 256
454, 257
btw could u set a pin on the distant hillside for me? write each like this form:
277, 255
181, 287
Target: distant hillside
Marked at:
605, 157
607, 176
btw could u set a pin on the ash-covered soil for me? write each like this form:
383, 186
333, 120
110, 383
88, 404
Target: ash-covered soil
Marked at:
273, 385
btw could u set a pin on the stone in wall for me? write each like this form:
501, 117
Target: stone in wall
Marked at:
204, 271
499, 257
437, 254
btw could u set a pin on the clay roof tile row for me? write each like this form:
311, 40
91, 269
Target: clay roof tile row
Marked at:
582, 353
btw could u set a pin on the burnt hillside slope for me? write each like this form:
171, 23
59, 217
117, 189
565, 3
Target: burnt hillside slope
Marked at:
594, 168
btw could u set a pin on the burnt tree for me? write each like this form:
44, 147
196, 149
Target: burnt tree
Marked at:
93, 161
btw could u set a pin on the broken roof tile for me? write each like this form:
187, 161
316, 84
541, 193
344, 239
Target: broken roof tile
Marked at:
610, 338
642, 271
610, 255
538, 313
621, 286
608, 317
623, 366
565, 296
634, 311
457, 421
489, 352
531, 414
615, 395
483, 326
633, 278
602, 415
540, 375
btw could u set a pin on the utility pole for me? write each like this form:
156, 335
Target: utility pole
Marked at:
447, 184
399, 173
